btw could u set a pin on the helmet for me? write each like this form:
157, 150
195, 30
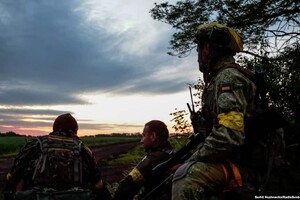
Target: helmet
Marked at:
65, 122
220, 36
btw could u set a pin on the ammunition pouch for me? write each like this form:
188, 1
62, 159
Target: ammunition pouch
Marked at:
182, 170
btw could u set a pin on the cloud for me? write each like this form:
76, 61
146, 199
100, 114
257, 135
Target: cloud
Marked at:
54, 52
52, 47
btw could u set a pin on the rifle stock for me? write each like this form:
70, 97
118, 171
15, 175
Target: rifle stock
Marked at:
181, 155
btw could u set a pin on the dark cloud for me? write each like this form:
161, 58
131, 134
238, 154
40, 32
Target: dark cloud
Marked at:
29, 118
31, 111
28, 96
107, 127
50, 54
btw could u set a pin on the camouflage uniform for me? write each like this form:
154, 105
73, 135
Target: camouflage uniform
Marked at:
227, 98
142, 174
24, 169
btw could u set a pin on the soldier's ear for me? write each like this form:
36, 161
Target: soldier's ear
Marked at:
154, 136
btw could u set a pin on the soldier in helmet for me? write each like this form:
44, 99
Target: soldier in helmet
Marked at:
58, 162
228, 96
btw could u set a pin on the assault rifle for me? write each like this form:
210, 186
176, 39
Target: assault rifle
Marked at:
176, 157
181, 155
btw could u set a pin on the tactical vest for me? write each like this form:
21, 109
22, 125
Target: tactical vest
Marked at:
59, 165
58, 171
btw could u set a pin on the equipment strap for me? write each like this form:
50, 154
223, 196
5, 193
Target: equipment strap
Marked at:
43, 157
77, 163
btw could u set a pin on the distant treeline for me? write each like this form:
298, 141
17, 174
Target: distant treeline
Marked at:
11, 133
118, 134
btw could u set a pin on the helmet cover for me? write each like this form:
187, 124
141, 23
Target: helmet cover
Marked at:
219, 35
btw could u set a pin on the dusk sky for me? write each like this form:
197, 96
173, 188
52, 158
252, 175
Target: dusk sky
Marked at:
103, 61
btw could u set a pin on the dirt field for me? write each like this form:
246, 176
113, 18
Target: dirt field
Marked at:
113, 173
109, 173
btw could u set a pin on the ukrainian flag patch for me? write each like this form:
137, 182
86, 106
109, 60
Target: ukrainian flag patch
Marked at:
226, 87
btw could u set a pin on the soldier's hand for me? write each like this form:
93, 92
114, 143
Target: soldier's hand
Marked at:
174, 168
196, 120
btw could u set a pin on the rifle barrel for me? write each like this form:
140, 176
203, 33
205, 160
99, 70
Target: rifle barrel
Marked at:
192, 101
189, 107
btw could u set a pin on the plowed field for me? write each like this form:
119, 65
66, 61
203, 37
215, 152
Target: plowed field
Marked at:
109, 173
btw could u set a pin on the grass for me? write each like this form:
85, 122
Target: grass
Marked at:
11, 145
104, 140
137, 153
132, 156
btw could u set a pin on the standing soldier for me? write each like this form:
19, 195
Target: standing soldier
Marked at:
156, 144
228, 96
56, 166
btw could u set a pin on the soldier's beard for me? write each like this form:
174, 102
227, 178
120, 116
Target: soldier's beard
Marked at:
201, 68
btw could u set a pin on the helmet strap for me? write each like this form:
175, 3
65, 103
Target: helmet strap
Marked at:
206, 67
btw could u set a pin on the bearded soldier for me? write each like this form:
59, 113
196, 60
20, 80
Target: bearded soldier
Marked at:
228, 96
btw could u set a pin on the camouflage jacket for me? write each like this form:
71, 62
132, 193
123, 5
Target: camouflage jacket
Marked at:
57, 177
227, 98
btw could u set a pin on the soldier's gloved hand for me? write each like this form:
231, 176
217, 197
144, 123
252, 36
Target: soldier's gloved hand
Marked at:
196, 120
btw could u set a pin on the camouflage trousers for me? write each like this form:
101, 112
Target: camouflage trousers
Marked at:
196, 180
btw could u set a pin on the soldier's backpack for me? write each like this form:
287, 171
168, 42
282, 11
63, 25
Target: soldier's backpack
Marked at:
58, 171
264, 147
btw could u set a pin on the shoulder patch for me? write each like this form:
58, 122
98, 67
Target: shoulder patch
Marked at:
226, 87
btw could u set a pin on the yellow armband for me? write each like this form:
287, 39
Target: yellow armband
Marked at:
233, 120
136, 175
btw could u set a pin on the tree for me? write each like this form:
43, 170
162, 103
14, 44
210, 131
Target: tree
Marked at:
283, 80
270, 29
257, 21
11, 133
182, 125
